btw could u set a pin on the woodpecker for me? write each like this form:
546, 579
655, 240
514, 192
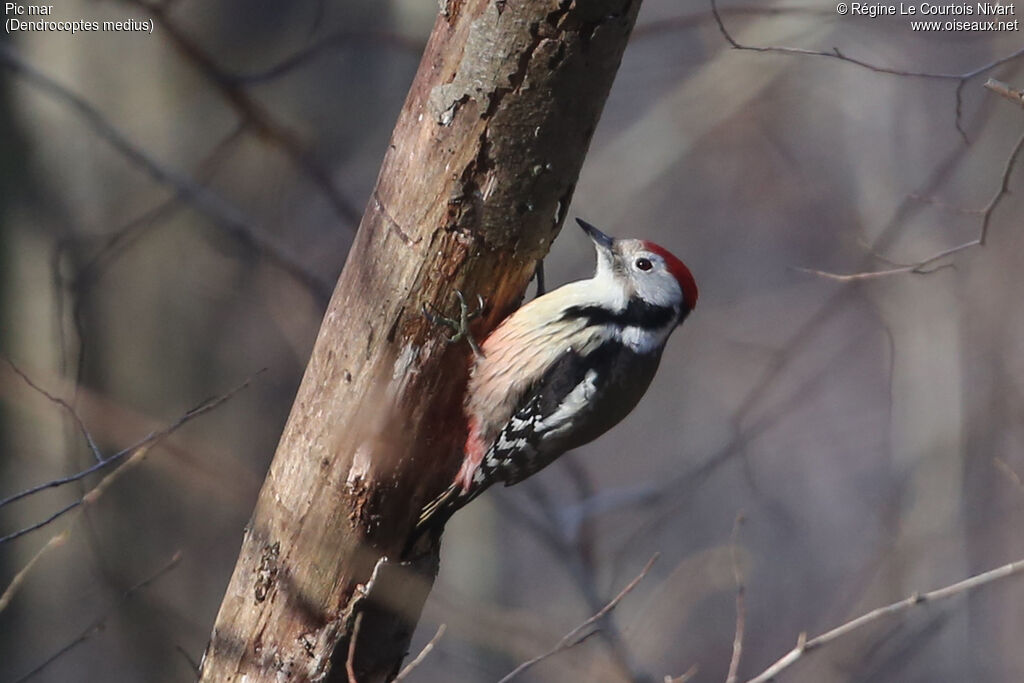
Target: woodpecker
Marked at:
566, 367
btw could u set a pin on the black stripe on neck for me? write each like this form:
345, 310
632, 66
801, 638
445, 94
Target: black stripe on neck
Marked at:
638, 313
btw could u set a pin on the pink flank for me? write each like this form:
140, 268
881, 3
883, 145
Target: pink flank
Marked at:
679, 271
474, 455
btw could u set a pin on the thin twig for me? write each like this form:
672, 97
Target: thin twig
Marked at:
572, 638
350, 660
344, 39
834, 53
256, 115
223, 214
98, 624
805, 645
408, 669
1010, 473
671, 24
550, 532
19, 578
669, 498
1005, 90
928, 265
134, 451
741, 611
96, 453
960, 78
687, 675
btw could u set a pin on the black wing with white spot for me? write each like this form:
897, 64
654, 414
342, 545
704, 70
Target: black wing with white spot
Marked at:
538, 431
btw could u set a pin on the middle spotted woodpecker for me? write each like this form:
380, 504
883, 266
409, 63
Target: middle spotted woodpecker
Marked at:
566, 367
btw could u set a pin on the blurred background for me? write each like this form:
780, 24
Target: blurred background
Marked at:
175, 207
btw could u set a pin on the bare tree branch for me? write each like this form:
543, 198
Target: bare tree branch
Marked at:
418, 659
805, 645
960, 78
834, 53
573, 637
93, 448
19, 578
339, 40
650, 29
134, 451
928, 265
254, 114
687, 676
1003, 90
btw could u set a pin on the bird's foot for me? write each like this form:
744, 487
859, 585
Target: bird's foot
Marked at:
461, 324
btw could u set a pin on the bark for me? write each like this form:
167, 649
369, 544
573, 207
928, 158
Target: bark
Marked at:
474, 187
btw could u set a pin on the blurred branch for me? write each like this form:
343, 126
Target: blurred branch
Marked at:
834, 53
1009, 472
136, 451
334, 41
805, 645
927, 265
670, 24
687, 676
350, 660
573, 637
571, 550
100, 623
116, 243
672, 493
741, 610
254, 114
93, 448
19, 578
1004, 90
418, 659
960, 78
224, 215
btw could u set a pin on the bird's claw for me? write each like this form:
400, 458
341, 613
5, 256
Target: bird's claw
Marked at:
461, 324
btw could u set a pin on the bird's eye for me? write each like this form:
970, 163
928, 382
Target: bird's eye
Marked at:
644, 264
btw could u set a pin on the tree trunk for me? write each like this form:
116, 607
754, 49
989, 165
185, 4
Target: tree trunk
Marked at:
474, 187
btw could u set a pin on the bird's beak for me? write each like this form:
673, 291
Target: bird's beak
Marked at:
600, 239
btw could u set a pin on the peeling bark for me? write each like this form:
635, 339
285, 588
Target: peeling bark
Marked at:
473, 188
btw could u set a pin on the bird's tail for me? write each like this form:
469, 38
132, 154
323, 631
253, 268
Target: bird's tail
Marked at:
437, 512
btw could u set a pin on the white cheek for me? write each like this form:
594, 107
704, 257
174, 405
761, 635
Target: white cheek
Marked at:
660, 291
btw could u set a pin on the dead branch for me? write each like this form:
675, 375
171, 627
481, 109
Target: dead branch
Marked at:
573, 637
805, 645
